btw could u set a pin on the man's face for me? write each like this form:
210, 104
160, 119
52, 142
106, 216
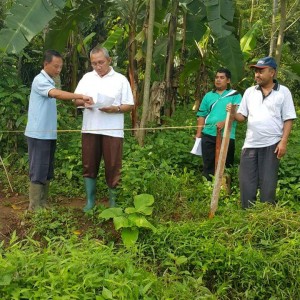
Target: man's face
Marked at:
221, 81
54, 67
265, 76
100, 63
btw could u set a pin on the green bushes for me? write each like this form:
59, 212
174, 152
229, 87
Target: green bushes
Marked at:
251, 254
70, 269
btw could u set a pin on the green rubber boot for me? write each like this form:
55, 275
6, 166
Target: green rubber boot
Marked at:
90, 187
112, 197
35, 196
45, 193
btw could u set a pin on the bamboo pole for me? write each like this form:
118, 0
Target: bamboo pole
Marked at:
221, 163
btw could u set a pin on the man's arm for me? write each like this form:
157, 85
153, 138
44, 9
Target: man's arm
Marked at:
282, 145
117, 109
200, 124
62, 95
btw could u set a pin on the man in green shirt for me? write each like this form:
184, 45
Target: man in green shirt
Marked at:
211, 117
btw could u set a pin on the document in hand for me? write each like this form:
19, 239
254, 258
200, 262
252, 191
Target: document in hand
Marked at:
197, 150
104, 101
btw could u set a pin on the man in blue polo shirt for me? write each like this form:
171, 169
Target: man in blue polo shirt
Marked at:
42, 126
269, 110
211, 117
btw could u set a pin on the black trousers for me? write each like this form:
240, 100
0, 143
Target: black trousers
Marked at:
258, 170
41, 159
208, 144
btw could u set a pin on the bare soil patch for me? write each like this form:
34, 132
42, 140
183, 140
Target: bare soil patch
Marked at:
13, 210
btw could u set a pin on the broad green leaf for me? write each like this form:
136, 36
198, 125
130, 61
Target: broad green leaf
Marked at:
180, 260
141, 221
113, 39
129, 236
296, 68
227, 10
107, 294
5, 279
111, 213
27, 18
143, 200
121, 222
145, 210
248, 41
231, 56
195, 28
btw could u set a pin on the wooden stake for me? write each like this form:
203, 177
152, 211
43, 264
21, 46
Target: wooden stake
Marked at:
218, 147
221, 163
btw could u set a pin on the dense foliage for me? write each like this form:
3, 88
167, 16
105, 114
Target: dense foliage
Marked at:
251, 254
63, 253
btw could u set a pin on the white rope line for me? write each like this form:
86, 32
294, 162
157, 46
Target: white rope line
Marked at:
110, 129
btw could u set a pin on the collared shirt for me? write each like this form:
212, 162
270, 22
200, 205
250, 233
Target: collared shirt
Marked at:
112, 88
266, 115
213, 109
42, 113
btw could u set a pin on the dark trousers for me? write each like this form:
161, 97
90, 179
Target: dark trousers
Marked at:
96, 146
258, 170
208, 144
41, 159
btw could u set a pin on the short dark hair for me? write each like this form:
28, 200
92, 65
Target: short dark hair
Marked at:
48, 55
225, 71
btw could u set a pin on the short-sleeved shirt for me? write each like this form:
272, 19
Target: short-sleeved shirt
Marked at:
213, 109
266, 115
42, 112
114, 88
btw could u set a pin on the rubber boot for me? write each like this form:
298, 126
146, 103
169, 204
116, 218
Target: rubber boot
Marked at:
112, 197
45, 193
90, 187
35, 195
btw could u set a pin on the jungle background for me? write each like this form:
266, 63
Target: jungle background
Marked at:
159, 243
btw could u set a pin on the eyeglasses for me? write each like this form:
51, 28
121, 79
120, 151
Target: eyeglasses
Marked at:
98, 63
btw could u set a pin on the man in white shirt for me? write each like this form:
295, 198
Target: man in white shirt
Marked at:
103, 124
269, 110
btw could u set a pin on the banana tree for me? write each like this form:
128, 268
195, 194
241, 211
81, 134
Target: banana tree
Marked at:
26, 19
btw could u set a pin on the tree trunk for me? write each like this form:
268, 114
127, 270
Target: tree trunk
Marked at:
147, 80
280, 38
273, 28
132, 72
201, 85
183, 55
252, 11
170, 76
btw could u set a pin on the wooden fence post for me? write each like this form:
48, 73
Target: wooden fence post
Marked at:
221, 163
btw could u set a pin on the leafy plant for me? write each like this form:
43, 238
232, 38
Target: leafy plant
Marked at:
132, 218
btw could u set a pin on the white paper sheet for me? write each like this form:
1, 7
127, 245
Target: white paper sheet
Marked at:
102, 101
197, 150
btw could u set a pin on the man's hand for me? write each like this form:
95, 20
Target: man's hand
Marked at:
281, 149
87, 100
220, 125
